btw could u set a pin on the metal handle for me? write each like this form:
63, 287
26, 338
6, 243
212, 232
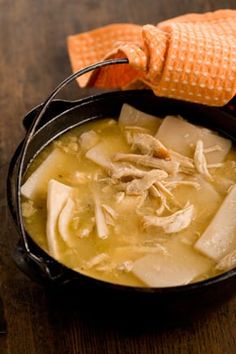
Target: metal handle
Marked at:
44, 265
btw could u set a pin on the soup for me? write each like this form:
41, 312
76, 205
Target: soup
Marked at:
141, 201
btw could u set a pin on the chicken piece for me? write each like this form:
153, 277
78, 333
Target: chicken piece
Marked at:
102, 229
173, 184
223, 185
176, 222
148, 145
204, 197
119, 171
164, 190
186, 163
228, 262
163, 201
170, 167
200, 161
110, 215
88, 139
138, 186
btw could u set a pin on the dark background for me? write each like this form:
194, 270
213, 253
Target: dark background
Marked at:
33, 59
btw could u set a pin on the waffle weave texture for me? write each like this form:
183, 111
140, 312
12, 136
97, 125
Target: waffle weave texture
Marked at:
191, 57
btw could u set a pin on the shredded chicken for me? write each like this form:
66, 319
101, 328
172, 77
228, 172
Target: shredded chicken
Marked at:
176, 222
110, 214
165, 190
123, 171
173, 184
163, 201
142, 199
171, 167
200, 160
138, 186
213, 148
186, 163
148, 145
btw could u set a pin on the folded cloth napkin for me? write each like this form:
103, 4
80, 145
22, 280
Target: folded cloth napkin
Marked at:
190, 57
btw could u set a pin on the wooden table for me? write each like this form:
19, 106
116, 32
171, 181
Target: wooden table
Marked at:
33, 59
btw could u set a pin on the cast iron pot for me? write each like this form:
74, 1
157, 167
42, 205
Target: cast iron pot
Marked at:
46, 122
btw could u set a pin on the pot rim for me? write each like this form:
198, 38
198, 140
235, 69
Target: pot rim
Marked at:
164, 290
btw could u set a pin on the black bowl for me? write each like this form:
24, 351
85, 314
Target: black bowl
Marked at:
59, 118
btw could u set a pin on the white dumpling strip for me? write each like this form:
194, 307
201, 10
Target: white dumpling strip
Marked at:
130, 116
181, 136
219, 238
179, 266
64, 220
37, 183
58, 194
98, 154
102, 153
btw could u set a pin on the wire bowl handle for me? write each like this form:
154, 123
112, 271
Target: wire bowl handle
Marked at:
39, 261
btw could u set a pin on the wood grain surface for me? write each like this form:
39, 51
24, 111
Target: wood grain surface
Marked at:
33, 59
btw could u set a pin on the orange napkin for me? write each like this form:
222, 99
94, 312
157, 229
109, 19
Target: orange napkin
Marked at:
191, 57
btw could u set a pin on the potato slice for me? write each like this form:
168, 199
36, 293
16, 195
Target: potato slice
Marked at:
181, 136
130, 116
219, 238
37, 184
58, 194
179, 267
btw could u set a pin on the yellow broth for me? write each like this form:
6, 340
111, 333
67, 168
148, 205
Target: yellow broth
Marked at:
127, 239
